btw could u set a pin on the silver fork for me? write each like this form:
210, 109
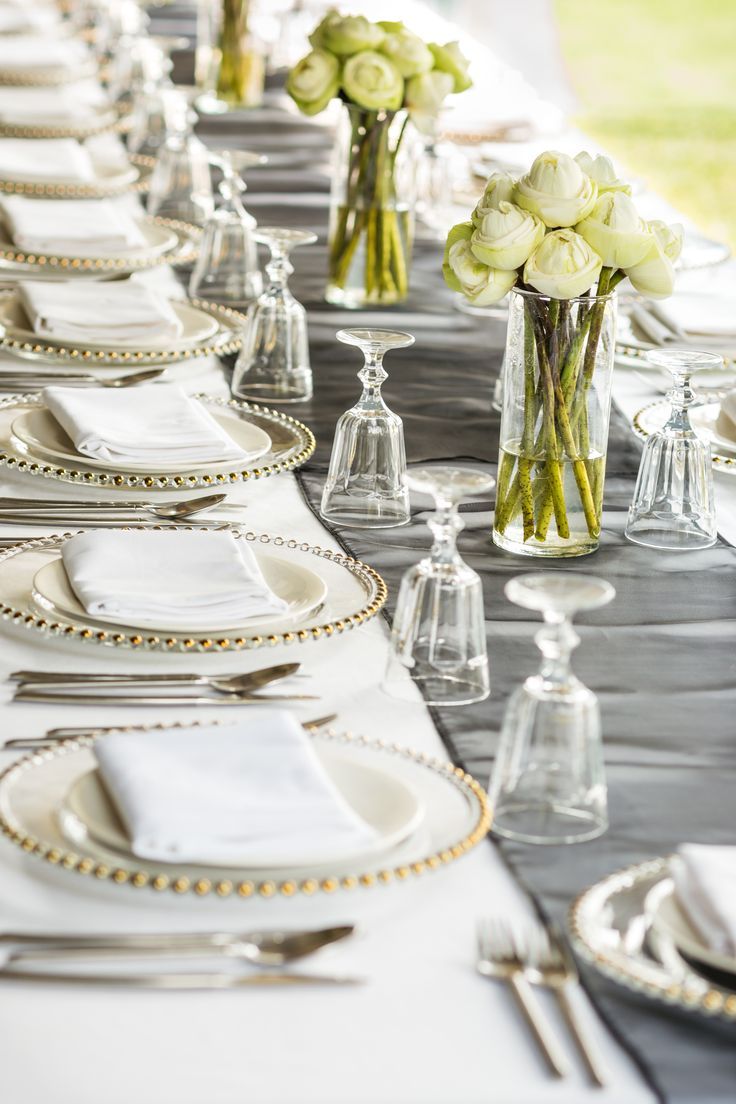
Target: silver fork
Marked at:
499, 956
551, 964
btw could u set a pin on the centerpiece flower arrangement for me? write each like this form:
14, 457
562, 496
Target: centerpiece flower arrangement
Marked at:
559, 240
383, 74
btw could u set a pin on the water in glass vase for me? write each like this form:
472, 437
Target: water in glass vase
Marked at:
548, 508
370, 250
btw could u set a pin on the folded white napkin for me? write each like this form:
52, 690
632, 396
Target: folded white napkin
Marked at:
116, 313
189, 579
107, 153
255, 790
726, 420
705, 888
71, 103
706, 313
150, 424
77, 227
45, 159
15, 19
37, 51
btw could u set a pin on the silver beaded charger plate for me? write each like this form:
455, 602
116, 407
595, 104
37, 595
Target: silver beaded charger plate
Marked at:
612, 927
207, 330
456, 817
168, 241
650, 419
292, 443
353, 593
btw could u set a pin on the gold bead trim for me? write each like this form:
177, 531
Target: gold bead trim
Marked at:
182, 885
227, 340
50, 190
184, 252
712, 1001
375, 590
717, 459
46, 78
109, 121
300, 452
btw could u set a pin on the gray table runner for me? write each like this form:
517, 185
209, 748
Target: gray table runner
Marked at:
661, 657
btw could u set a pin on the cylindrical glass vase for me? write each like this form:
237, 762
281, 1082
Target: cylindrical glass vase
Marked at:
554, 424
371, 209
230, 67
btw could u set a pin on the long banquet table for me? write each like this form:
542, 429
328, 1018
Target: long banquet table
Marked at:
424, 1029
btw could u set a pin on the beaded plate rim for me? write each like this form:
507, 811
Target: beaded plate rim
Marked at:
56, 190
184, 252
163, 481
711, 1000
373, 584
290, 887
232, 323
727, 463
48, 77
110, 120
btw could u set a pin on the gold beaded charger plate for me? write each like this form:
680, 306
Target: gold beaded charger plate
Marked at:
206, 328
455, 818
351, 593
97, 121
650, 419
611, 927
108, 181
46, 76
302, 589
291, 445
168, 241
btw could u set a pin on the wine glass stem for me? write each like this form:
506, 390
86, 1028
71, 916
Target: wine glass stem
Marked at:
556, 642
681, 396
444, 526
279, 269
372, 376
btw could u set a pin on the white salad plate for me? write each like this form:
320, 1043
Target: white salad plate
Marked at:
159, 239
293, 582
38, 432
670, 919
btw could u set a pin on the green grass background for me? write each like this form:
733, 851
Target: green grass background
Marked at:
656, 84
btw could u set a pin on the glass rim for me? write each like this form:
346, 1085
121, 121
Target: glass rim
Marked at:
527, 293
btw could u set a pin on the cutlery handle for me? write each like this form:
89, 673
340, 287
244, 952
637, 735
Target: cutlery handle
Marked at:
539, 1025
178, 981
581, 1035
44, 697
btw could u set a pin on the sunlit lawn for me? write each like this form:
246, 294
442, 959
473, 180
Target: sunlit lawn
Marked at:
656, 83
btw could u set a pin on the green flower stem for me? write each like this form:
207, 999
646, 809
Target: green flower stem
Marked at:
526, 462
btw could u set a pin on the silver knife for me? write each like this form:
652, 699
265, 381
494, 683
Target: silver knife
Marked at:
261, 677
48, 697
192, 981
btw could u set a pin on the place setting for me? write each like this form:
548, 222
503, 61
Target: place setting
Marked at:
106, 327
65, 168
77, 110
37, 60
97, 238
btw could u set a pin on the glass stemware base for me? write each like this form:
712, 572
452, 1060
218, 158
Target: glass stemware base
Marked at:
548, 783
438, 637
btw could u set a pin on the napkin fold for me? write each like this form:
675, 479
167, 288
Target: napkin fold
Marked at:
117, 313
36, 51
71, 103
189, 579
255, 790
152, 423
705, 888
706, 313
77, 227
46, 159
15, 19
726, 420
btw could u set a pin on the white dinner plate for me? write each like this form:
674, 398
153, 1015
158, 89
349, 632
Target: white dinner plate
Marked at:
39, 434
302, 589
158, 240
386, 803
197, 325
670, 919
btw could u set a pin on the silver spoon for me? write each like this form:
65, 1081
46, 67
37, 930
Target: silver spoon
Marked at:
62, 509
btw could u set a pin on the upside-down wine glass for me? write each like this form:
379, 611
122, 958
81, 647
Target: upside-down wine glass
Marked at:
548, 784
273, 365
673, 506
439, 635
366, 482
227, 266
181, 185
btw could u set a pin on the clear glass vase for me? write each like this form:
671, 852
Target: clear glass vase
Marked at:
371, 208
230, 67
554, 424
